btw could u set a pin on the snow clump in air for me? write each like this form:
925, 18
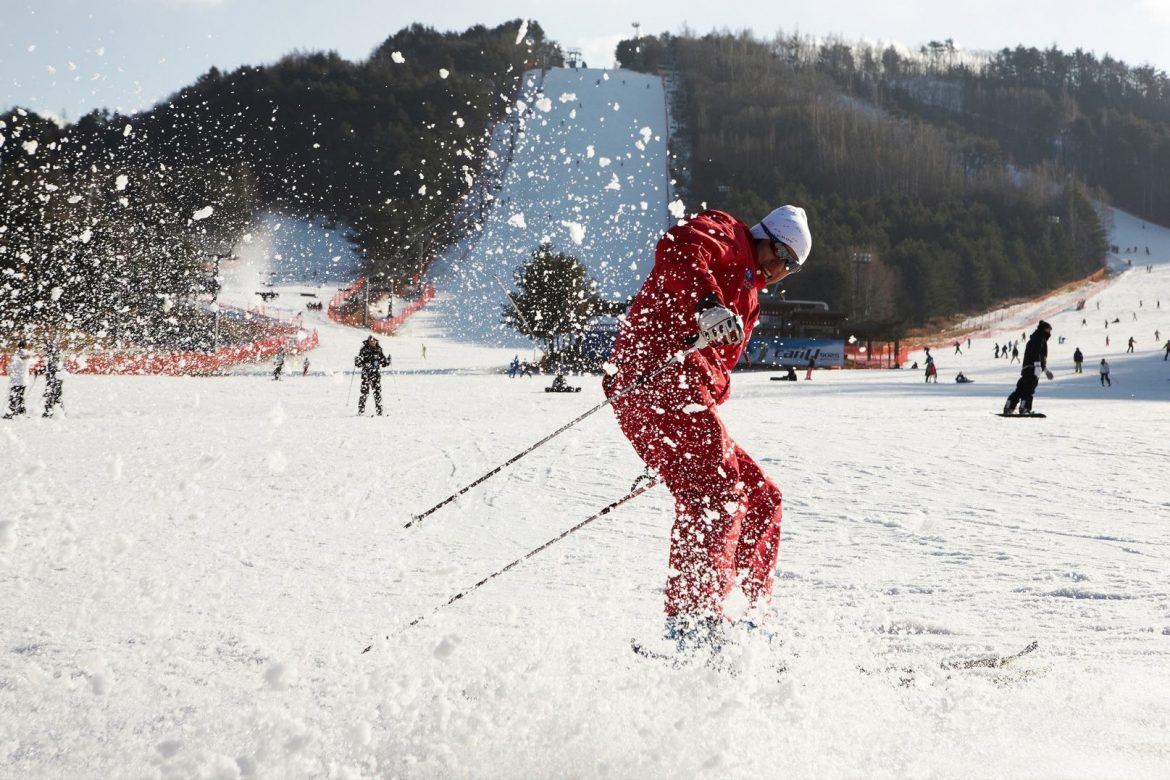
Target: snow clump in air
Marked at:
517, 220
677, 209
522, 32
397, 57
203, 213
576, 231
121, 182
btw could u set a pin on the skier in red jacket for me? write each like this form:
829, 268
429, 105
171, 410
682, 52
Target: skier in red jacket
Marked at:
705, 283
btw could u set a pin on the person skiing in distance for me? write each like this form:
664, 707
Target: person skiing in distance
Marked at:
278, 367
53, 383
1105, 380
1078, 359
703, 289
1035, 363
1167, 355
931, 368
370, 360
1015, 353
812, 363
19, 367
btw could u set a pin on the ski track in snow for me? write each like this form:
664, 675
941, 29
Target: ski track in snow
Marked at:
190, 567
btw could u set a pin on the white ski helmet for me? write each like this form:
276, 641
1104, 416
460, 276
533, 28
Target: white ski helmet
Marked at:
788, 225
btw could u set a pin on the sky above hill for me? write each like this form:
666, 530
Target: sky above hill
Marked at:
67, 57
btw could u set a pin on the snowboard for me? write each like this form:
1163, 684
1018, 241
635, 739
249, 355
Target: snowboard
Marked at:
1013, 414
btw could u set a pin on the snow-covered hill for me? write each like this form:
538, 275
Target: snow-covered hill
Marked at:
586, 171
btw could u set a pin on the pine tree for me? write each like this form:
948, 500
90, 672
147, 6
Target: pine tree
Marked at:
557, 299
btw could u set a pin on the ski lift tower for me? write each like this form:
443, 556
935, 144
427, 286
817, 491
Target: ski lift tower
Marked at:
573, 58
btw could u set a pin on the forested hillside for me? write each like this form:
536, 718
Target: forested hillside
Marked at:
108, 222
936, 183
911, 220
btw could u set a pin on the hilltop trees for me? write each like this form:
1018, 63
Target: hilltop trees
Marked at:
107, 224
952, 225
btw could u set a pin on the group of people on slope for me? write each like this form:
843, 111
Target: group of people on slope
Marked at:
1078, 367
23, 367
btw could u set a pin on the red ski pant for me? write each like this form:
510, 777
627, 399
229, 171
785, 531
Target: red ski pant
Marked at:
727, 511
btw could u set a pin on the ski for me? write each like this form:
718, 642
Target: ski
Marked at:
723, 662
993, 661
907, 675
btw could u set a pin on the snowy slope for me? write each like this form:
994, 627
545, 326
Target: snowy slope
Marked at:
189, 568
586, 170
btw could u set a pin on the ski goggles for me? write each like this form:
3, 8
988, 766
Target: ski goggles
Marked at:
785, 255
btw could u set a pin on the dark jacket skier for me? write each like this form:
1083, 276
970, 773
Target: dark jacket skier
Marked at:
52, 380
370, 360
1078, 359
1035, 363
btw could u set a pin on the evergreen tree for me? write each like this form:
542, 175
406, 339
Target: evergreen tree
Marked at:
556, 299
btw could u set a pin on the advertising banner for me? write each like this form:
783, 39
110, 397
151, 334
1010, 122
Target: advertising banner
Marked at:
778, 351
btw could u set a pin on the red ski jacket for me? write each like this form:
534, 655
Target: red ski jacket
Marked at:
713, 254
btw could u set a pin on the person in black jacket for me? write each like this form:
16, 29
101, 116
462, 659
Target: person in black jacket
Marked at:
1035, 363
1078, 359
371, 360
53, 383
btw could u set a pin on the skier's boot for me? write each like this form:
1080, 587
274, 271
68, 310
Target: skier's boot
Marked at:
696, 636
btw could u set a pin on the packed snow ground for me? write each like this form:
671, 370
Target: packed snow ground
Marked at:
190, 568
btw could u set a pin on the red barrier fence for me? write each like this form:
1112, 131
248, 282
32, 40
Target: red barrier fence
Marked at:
346, 309
180, 363
880, 356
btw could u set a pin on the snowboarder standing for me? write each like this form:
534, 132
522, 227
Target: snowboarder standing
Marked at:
931, 368
370, 360
53, 383
19, 366
1035, 363
706, 277
1078, 359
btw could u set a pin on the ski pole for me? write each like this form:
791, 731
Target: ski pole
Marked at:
349, 392
675, 358
637, 490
